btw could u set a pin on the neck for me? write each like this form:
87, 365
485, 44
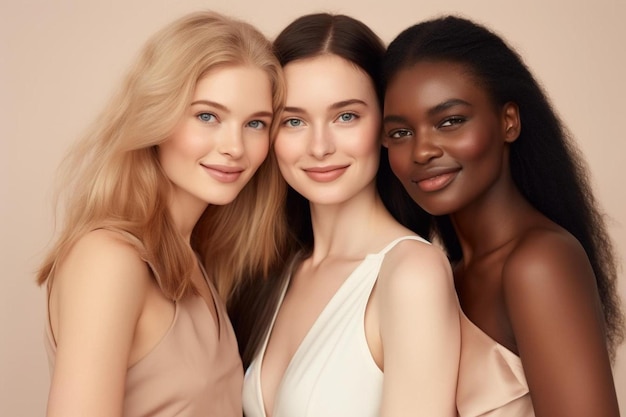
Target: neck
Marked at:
185, 215
346, 229
491, 221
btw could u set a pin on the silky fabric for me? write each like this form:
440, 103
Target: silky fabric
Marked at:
194, 370
332, 373
491, 378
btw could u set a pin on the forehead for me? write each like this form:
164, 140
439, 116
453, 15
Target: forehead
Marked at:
326, 78
431, 82
235, 84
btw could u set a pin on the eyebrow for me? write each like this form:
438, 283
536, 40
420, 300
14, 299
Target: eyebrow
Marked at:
345, 103
334, 106
212, 104
446, 105
225, 109
392, 118
263, 114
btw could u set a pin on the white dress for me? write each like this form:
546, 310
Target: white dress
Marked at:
332, 373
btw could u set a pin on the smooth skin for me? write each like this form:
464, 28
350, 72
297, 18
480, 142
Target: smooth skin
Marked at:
106, 310
332, 119
523, 280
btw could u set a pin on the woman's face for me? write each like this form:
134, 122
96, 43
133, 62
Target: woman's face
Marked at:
328, 142
222, 138
447, 141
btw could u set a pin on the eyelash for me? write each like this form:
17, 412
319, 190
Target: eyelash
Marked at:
399, 134
451, 121
354, 116
262, 124
211, 116
287, 122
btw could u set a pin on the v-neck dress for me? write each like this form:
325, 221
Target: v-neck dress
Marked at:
332, 373
194, 370
491, 378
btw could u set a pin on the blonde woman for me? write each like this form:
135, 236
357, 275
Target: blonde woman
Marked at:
170, 202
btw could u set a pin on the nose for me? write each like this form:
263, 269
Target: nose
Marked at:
230, 142
425, 149
321, 142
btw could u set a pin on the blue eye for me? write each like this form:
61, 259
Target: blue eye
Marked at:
293, 122
257, 124
206, 117
347, 117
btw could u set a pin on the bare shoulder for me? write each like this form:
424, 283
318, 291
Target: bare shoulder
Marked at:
546, 258
413, 260
101, 272
548, 284
551, 298
419, 329
102, 252
97, 297
416, 272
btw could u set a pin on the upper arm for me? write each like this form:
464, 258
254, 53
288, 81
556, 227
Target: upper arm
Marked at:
95, 301
419, 321
553, 304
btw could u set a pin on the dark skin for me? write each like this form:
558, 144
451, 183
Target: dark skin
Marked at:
523, 280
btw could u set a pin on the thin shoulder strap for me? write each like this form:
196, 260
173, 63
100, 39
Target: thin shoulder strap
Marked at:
135, 241
400, 239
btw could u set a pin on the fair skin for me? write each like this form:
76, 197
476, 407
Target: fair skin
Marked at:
523, 280
328, 149
106, 310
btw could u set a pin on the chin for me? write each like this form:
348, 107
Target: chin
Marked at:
435, 208
221, 200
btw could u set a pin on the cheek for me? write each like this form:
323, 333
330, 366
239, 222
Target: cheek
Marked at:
283, 151
257, 151
186, 142
474, 148
363, 143
174, 151
286, 149
400, 161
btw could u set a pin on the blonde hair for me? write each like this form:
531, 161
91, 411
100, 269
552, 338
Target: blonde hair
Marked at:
112, 178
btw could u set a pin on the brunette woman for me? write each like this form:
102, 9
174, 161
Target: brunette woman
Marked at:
367, 322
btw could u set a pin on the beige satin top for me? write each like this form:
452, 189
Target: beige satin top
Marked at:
491, 378
195, 369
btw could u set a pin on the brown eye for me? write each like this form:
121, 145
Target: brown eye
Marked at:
451, 121
399, 134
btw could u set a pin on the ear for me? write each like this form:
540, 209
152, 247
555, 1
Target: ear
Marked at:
512, 122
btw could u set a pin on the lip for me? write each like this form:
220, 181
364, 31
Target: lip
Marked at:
435, 179
326, 173
223, 173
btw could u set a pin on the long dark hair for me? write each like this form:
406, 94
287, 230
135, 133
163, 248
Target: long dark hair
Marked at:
545, 164
350, 39
306, 37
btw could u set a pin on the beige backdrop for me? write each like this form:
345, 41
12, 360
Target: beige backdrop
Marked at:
59, 61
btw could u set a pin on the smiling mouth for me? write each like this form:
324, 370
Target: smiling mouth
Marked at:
436, 182
326, 174
223, 173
